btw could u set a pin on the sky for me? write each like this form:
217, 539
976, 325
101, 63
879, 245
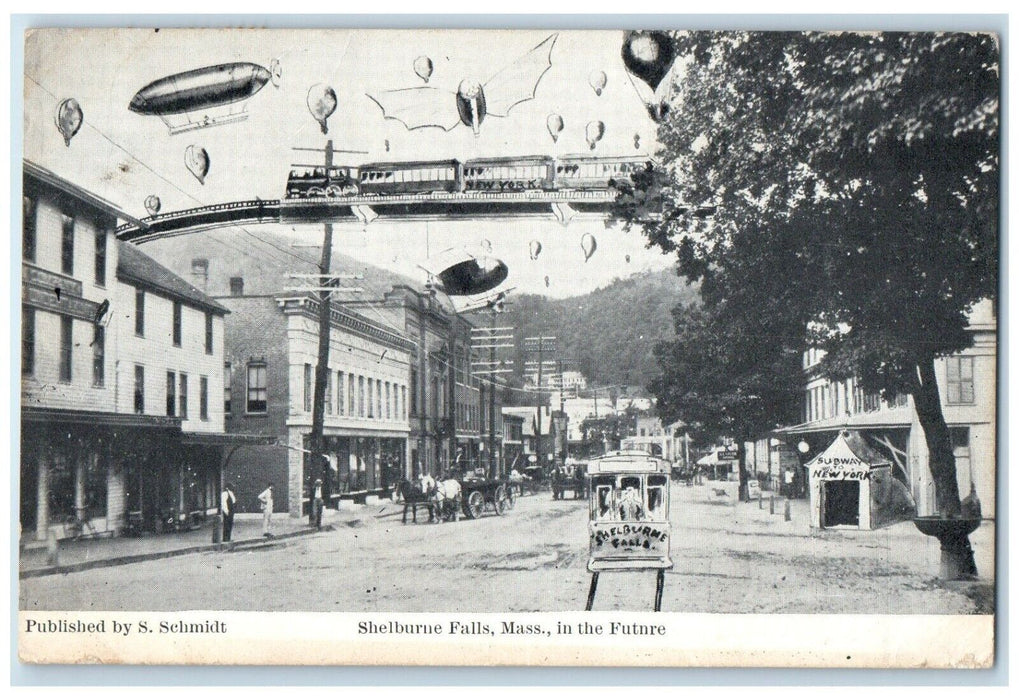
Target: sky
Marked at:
126, 157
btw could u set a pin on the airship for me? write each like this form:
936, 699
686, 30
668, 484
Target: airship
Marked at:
205, 96
463, 273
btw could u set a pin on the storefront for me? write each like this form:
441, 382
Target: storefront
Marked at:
852, 486
361, 466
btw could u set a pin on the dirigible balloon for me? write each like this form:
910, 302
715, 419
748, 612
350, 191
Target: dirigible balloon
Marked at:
197, 160
589, 245
473, 275
597, 80
423, 67
594, 131
68, 119
195, 91
472, 101
648, 57
152, 205
535, 249
555, 126
322, 103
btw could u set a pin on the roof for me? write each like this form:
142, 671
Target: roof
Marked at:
53, 180
847, 444
895, 417
137, 267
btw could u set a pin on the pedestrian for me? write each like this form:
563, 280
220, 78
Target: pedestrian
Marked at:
317, 504
227, 501
265, 498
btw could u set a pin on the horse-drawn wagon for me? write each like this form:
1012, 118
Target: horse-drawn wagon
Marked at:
486, 494
446, 498
570, 477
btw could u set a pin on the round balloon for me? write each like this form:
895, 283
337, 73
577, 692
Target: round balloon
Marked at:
598, 80
648, 57
197, 160
322, 103
535, 249
152, 204
594, 132
423, 67
589, 244
555, 126
68, 119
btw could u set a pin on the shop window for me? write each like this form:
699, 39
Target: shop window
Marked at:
67, 244
28, 224
66, 347
960, 380
94, 497
101, 258
27, 340
258, 388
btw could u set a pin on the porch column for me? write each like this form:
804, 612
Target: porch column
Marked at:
42, 501
79, 485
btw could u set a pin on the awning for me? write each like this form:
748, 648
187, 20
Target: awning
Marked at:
227, 439
31, 414
899, 417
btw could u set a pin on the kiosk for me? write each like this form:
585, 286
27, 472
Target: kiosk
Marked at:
629, 517
851, 486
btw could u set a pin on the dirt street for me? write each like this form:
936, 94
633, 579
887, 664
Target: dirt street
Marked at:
729, 558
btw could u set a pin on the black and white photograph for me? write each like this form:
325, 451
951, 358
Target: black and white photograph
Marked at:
508, 346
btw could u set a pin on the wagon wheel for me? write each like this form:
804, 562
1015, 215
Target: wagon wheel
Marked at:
475, 504
501, 500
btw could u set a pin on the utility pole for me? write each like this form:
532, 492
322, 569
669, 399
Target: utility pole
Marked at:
492, 338
539, 344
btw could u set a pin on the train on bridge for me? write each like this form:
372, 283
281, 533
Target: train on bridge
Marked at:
513, 174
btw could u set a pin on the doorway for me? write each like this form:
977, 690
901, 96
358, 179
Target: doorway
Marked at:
841, 503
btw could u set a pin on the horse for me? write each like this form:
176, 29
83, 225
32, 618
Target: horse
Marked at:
414, 495
446, 499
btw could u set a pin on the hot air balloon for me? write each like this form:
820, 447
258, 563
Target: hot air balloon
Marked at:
68, 119
636, 141
597, 80
627, 258
322, 103
535, 249
152, 204
486, 245
595, 130
547, 283
197, 160
648, 57
423, 67
276, 72
589, 245
555, 126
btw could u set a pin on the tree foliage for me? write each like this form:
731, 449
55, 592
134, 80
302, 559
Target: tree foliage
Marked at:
854, 180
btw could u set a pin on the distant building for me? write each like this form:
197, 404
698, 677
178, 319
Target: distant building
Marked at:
665, 441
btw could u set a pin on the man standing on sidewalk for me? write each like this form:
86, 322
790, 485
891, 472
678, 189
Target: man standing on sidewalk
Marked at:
227, 501
265, 498
317, 504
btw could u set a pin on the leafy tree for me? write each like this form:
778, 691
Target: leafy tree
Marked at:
855, 184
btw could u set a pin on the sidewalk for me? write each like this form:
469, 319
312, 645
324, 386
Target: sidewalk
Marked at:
79, 555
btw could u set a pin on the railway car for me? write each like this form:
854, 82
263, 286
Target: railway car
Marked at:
586, 172
526, 173
318, 181
412, 177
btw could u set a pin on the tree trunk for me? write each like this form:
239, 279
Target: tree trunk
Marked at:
956, 552
744, 479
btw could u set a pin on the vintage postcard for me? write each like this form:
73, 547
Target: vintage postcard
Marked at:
490, 347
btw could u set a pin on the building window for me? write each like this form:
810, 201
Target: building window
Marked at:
178, 313
227, 388
960, 380
413, 391
67, 244
378, 398
101, 258
341, 394
171, 393
352, 403
203, 398
307, 388
389, 407
183, 396
98, 356
208, 333
27, 340
139, 312
139, 389
66, 346
329, 393
236, 286
360, 397
258, 388
28, 217
403, 392
371, 399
